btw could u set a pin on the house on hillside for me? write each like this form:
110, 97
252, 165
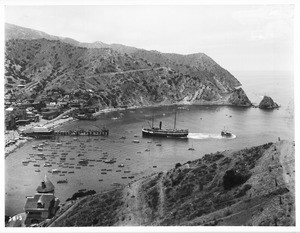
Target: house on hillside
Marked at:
75, 103
49, 115
51, 111
43, 205
10, 122
63, 104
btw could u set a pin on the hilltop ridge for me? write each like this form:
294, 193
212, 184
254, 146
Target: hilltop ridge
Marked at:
117, 74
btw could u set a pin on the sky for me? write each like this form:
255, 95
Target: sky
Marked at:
238, 37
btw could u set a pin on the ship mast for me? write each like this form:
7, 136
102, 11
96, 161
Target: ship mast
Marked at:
175, 121
152, 119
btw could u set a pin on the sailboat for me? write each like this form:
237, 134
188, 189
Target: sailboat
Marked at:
159, 132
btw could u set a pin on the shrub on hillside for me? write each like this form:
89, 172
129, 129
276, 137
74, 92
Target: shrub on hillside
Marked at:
81, 194
233, 178
177, 165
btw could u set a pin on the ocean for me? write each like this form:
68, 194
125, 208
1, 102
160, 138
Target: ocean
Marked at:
250, 127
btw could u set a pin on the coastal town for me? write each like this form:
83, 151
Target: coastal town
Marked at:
179, 130
50, 112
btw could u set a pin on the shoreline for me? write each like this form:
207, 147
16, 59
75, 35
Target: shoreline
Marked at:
14, 135
57, 122
108, 110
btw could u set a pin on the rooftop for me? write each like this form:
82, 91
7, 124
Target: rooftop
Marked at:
37, 130
43, 198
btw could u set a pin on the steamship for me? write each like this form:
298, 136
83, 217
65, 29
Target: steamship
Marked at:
159, 132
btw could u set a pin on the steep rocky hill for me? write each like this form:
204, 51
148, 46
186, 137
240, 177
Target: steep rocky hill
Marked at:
252, 187
117, 74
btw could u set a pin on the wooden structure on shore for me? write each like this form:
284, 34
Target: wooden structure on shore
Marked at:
102, 132
38, 132
42, 133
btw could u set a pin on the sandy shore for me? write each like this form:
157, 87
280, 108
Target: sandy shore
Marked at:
107, 110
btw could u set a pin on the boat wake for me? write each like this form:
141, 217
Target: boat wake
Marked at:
208, 136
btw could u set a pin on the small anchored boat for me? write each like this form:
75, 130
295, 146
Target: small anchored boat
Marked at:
226, 133
62, 181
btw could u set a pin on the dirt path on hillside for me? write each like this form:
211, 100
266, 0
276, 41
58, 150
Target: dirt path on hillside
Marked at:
132, 212
161, 206
125, 72
64, 214
286, 151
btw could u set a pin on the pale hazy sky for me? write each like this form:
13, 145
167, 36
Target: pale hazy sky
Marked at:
238, 37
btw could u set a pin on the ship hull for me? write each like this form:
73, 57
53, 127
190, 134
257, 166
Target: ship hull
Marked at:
164, 133
226, 134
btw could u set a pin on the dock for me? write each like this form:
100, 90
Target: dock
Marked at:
48, 134
102, 132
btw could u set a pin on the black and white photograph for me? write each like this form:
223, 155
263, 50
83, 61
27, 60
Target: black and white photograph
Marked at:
148, 115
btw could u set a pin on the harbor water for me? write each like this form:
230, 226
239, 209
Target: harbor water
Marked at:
136, 156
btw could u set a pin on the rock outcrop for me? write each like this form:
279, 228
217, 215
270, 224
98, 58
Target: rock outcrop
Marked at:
267, 103
239, 98
250, 187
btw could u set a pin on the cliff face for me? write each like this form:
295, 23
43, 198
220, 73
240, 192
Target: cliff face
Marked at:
117, 74
267, 103
252, 187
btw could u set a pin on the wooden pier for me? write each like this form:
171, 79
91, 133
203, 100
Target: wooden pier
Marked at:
52, 134
103, 132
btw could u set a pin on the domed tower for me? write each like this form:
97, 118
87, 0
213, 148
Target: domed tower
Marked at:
46, 186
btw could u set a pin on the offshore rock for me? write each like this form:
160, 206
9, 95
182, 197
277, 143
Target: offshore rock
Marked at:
267, 103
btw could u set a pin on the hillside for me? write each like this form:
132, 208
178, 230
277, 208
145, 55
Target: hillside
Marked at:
117, 74
252, 187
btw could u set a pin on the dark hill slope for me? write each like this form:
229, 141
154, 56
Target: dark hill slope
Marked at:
253, 186
180, 63
116, 78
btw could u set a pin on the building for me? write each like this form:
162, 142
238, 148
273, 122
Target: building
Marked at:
23, 122
10, 119
75, 104
63, 104
43, 205
10, 122
50, 114
39, 132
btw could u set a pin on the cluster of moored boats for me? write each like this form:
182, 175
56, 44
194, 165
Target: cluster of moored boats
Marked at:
59, 157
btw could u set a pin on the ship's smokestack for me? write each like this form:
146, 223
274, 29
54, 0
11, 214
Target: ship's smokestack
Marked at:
160, 124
